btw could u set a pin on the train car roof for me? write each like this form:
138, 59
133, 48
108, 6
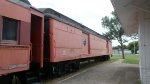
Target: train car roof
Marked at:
50, 13
24, 3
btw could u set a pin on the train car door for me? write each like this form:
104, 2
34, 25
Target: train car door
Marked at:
37, 39
86, 44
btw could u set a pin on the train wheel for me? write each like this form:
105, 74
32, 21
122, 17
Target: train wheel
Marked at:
77, 65
108, 57
53, 72
15, 80
59, 71
6, 79
10, 79
105, 58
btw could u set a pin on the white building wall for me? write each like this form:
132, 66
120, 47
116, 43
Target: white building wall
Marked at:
144, 34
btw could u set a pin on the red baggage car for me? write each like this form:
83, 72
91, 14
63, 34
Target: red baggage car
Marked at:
68, 42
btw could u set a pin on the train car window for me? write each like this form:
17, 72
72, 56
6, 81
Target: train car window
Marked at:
10, 28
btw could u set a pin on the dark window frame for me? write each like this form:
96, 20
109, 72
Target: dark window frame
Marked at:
17, 33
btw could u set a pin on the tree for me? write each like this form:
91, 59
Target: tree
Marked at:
133, 46
119, 47
134, 36
115, 30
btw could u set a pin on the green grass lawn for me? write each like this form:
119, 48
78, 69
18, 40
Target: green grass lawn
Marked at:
130, 59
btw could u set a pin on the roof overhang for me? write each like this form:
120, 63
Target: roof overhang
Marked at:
128, 12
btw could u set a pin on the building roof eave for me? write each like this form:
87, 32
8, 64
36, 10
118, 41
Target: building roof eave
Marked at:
128, 12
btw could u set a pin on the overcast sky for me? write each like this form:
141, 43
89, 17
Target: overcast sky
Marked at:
87, 12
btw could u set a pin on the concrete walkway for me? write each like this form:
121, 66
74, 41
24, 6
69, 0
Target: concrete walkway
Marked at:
106, 73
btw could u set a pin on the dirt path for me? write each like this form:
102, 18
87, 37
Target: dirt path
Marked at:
106, 73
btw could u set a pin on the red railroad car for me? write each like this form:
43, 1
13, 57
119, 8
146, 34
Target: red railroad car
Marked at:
68, 42
98, 46
21, 38
34, 42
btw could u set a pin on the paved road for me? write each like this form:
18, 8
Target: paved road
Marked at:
105, 73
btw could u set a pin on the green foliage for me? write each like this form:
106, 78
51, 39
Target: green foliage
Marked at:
133, 46
119, 47
134, 36
115, 30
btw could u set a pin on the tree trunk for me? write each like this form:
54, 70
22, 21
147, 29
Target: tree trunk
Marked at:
122, 50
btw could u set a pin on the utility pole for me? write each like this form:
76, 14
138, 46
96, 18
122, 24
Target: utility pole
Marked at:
134, 37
